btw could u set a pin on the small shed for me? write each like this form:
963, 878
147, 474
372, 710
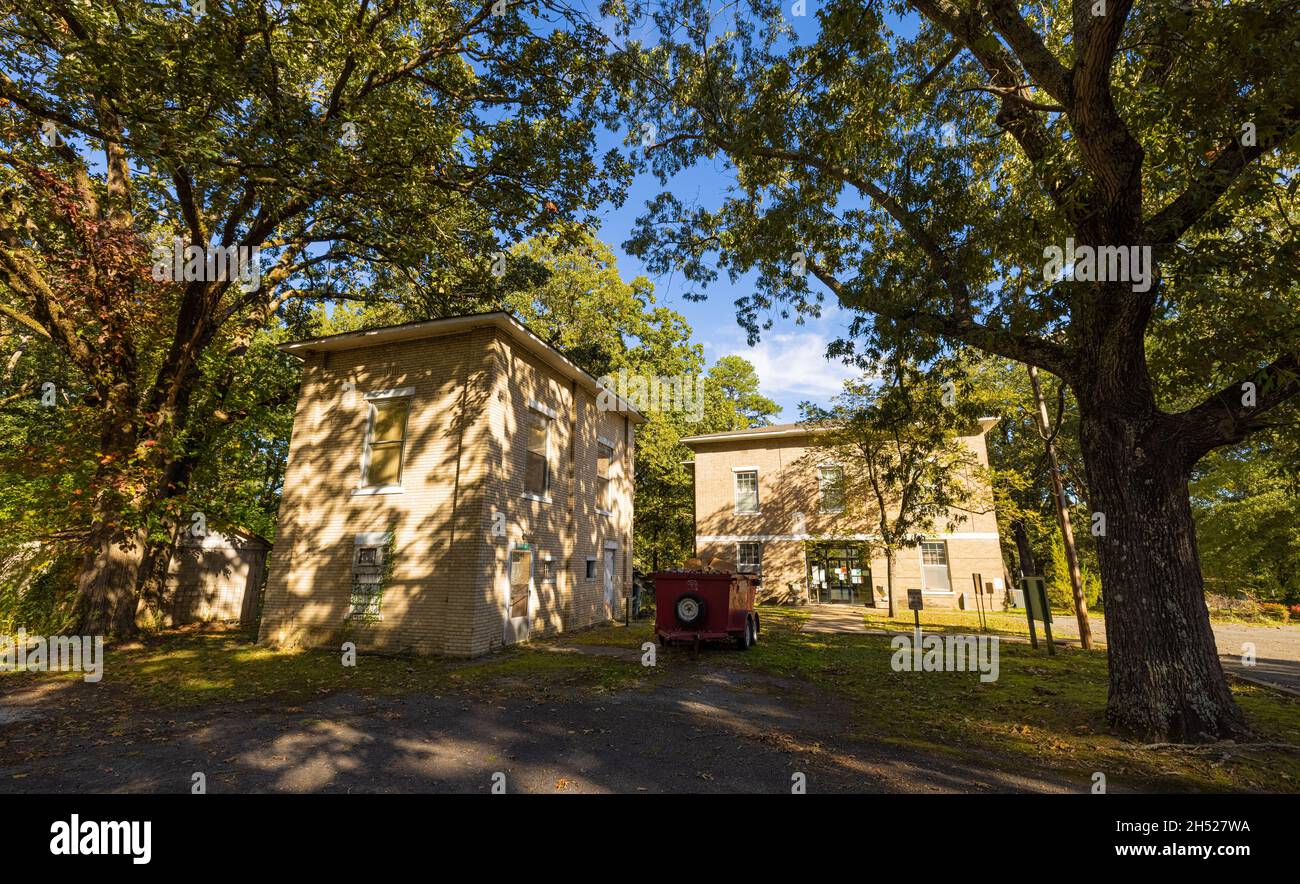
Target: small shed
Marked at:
217, 576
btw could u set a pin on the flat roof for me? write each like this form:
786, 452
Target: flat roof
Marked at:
432, 328
785, 431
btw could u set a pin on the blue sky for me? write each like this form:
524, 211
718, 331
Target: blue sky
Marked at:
790, 358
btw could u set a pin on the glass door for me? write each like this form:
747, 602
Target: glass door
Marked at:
837, 576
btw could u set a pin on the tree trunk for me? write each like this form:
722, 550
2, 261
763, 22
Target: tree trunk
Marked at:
1166, 682
108, 578
889, 580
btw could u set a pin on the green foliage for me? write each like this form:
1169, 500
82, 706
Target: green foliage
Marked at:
1246, 502
906, 471
1060, 590
36, 590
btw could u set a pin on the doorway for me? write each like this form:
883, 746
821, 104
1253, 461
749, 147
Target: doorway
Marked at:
519, 594
609, 582
839, 576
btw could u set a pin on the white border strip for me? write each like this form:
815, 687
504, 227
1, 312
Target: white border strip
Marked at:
739, 538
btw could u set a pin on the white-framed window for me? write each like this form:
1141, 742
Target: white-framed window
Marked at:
934, 552
749, 557
546, 569
537, 467
934, 566
746, 491
830, 482
381, 460
604, 462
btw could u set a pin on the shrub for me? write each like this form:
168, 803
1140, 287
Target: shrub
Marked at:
1272, 611
37, 591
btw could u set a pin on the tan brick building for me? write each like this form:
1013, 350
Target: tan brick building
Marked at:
766, 499
452, 486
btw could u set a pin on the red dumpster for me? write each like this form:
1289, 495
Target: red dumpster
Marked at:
696, 606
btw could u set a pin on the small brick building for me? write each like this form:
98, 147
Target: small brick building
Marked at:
217, 576
453, 486
765, 499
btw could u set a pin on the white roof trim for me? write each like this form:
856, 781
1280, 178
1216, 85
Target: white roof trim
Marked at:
431, 328
985, 423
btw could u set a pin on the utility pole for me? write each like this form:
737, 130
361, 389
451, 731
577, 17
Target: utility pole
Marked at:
1062, 513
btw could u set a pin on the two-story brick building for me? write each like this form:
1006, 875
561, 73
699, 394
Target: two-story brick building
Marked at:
452, 486
768, 500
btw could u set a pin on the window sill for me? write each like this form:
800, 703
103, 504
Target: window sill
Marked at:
831, 512
368, 490
937, 592
528, 495
755, 513
601, 512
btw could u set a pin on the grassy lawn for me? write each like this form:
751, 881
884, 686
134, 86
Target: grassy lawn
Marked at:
1042, 712
180, 669
1001, 622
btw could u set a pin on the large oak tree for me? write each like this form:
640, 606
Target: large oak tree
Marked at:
920, 159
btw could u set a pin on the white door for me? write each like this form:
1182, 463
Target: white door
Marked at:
609, 582
519, 595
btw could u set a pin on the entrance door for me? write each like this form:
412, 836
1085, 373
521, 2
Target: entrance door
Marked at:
609, 582
519, 595
839, 577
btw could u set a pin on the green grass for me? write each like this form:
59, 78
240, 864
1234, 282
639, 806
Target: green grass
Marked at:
196, 668
1000, 622
1043, 712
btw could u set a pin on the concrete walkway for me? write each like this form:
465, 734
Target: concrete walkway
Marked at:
1276, 648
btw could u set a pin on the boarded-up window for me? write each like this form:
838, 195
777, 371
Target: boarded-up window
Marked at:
367, 582
520, 575
385, 441
537, 470
604, 457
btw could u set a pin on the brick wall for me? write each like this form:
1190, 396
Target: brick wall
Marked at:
790, 512
463, 463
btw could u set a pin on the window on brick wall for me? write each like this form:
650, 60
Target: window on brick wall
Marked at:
830, 481
749, 558
385, 440
590, 572
537, 468
604, 458
746, 491
367, 578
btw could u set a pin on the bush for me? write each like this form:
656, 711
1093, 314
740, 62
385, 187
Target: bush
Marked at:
37, 591
1272, 611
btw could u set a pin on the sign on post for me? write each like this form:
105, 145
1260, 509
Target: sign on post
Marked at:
915, 602
1036, 608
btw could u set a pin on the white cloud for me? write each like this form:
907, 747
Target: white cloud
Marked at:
792, 366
